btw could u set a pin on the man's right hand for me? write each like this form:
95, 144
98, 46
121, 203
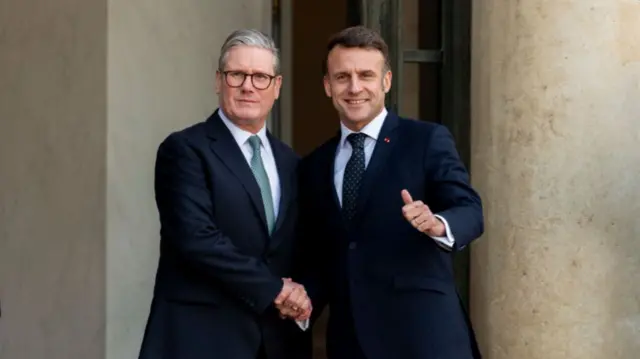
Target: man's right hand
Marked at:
293, 301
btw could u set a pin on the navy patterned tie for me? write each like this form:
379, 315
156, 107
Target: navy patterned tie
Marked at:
353, 175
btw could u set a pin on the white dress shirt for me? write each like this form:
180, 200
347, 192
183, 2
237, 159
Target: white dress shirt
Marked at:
343, 153
242, 138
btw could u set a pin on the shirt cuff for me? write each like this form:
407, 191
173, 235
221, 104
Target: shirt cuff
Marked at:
303, 324
448, 241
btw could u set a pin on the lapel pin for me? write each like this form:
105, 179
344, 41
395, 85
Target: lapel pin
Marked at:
386, 139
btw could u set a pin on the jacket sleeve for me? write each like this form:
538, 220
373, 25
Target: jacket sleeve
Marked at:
189, 228
450, 193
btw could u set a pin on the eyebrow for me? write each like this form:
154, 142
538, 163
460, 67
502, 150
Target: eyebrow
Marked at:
255, 72
358, 72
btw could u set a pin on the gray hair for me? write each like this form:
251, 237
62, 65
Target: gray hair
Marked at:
249, 37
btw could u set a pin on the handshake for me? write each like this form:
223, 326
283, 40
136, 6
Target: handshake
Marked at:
293, 301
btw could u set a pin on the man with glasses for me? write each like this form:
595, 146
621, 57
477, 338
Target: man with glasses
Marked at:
225, 192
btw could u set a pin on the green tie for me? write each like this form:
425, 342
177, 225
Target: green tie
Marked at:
257, 167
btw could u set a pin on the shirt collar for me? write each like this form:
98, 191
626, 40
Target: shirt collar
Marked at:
372, 129
241, 136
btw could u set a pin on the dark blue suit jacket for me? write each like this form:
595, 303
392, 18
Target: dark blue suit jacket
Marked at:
219, 270
388, 286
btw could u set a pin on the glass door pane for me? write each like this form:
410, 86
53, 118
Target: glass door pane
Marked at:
412, 29
384, 16
421, 81
429, 49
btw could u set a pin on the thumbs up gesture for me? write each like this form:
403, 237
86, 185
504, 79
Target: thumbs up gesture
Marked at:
420, 216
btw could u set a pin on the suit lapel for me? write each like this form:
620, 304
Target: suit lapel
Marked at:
324, 171
330, 166
225, 147
328, 172
284, 167
387, 140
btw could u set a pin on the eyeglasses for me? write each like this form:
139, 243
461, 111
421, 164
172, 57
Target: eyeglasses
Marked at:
259, 80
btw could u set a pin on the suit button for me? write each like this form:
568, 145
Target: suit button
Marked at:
352, 245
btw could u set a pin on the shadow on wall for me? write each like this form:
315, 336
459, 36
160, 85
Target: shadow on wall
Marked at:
622, 231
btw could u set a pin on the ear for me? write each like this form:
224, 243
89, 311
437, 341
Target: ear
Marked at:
327, 85
218, 82
386, 81
277, 86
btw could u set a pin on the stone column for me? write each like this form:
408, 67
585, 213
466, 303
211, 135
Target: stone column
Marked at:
556, 158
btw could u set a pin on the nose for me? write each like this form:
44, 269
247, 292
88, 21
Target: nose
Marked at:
247, 85
354, 85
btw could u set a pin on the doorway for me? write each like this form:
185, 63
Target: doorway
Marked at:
429, 43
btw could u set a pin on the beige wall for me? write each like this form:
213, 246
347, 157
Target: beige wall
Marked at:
52, 178
84, 102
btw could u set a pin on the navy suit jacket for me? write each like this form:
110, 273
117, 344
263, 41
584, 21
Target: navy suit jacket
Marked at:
387, 284
219, 270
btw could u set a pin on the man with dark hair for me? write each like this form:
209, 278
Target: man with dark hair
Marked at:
383, 207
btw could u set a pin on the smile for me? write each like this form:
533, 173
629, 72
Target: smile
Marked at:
355, 102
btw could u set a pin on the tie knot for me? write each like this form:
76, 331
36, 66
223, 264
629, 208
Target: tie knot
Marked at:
357, 140
255, 143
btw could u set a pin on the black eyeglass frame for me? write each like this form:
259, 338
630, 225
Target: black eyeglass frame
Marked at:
225, 74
